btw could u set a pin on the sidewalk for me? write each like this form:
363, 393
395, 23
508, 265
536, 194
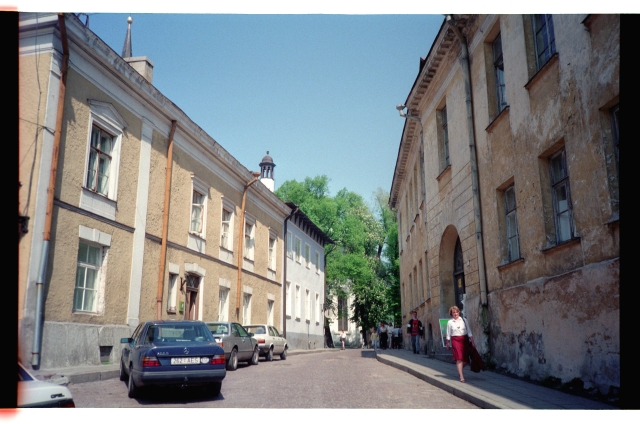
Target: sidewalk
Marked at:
87, 373
486, 389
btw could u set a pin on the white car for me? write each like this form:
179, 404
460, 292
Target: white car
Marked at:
33, 393
270, 342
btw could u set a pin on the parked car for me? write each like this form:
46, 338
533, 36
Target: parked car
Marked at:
238, 345
270, 341
33, 393
172, 353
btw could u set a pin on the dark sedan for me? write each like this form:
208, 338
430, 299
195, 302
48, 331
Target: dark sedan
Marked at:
172, 353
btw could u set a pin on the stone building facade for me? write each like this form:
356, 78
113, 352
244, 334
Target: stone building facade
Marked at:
506, 192
124, 245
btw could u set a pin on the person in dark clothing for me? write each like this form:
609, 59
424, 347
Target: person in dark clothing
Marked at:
382, 330
415, 329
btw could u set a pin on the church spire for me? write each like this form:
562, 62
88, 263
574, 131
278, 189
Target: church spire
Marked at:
126, 50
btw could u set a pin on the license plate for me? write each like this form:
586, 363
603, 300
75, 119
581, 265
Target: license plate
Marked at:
184, 361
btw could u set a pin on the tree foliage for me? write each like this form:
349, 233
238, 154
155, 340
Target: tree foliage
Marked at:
364, 259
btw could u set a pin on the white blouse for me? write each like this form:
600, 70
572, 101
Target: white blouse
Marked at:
458, 327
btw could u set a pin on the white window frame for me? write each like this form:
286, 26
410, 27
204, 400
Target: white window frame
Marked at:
547, 49
271, 301
273, 244
297, 249
289, 245
223, 299
94, 238
249, 239
307, 255
563, 218
298, 301
317, 308
200, 186
226, 229
307, 305
172, 294
104, 116
246, 305
317, 263
511, 214
288, 300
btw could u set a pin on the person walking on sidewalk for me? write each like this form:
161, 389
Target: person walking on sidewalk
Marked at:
458, 338
343, 336
374, 338
383, 335
414, 327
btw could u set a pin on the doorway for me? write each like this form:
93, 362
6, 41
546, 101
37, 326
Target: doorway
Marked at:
192, 290
458, 276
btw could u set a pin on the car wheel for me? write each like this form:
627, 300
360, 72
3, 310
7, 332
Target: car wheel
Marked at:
283, 355
232, 365
214, 388
255, 357
133, 390
270, 355
123, 373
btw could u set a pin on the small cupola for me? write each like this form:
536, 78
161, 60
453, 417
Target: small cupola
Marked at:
266, 172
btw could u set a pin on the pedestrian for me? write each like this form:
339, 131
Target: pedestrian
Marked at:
459, 338
343, 336
390, 334
415, 329
384, 335
396, 337
374, 338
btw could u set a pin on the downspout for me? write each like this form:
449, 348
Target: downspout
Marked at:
284, 299
241, 239
464, 58
44, 256
165, 220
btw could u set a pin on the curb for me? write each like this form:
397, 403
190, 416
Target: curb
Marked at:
480, 401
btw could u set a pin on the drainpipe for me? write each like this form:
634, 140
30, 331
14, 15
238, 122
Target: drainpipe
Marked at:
44, 255
464, 58
286, 249
165, 220
241, 239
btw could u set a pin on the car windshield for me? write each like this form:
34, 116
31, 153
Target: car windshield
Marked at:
219, 328
175, 333
255, 329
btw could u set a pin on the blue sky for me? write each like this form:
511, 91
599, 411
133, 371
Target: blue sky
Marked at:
317, 91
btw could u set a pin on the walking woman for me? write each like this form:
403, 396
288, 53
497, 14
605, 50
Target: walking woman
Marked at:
383, 335
458, 338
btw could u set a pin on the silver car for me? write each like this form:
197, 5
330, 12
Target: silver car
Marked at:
236, 342
270, 341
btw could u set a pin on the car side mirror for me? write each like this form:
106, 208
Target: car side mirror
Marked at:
126, 340
251, 334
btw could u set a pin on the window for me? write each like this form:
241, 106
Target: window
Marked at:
225, 231
511, 219
343, 314
288, 305
223, 304
297, 301
246, 309
421, 279
297, 249
100, 157
197, 215
104, 140
307, 254
561, 196
289, 245
317, 263
544, 38
615, 132
443, 139
270, 312
85, 295
249, 239
498, 68
317, 308
272, 252
307, 305
426, 273
173, 293
93, 247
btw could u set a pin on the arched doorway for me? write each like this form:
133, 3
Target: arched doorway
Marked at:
192, 289
458, 275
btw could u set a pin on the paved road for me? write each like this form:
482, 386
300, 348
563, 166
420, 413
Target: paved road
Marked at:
335, 379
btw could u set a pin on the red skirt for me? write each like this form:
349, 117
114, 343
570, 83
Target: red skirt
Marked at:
461, 348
